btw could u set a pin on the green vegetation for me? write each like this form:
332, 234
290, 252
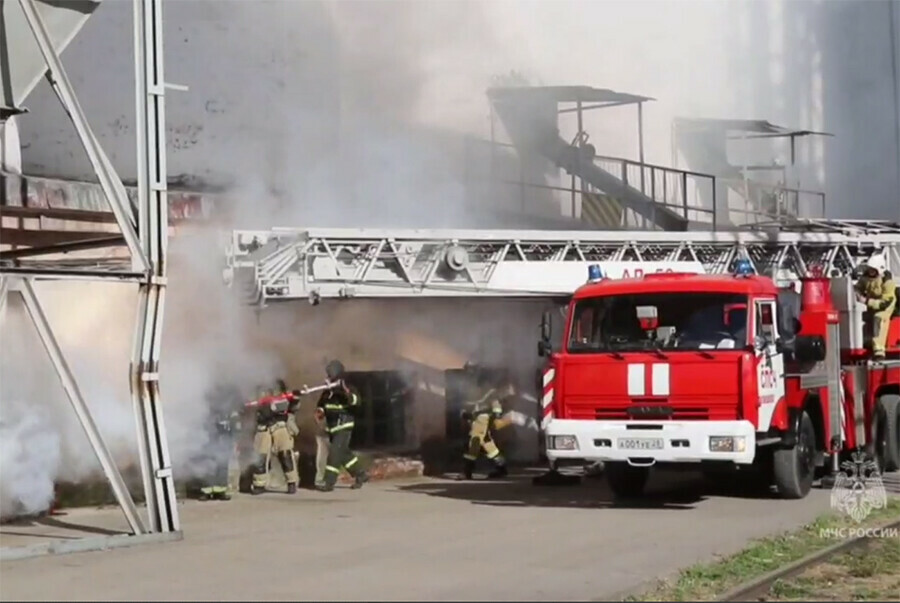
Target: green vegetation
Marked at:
705, 582
867, 574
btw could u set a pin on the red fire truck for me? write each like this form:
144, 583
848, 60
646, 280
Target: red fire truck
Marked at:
719, 371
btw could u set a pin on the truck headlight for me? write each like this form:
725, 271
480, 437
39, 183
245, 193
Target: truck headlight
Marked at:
727, 443
563, 442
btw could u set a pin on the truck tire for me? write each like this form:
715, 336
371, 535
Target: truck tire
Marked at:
887, 442
626, 481
795, 467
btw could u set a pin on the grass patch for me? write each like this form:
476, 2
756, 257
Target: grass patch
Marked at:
708, 581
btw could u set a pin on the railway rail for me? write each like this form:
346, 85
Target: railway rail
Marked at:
758, 588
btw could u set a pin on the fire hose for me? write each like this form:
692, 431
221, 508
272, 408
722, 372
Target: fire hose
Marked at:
297, 392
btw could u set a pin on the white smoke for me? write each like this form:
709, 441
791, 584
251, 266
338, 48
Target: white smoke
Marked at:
29, 460
43, 441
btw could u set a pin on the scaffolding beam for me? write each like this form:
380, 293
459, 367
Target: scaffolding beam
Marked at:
156, 465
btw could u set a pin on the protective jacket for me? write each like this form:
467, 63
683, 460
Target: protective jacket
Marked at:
487, 404
880, 293
340, 408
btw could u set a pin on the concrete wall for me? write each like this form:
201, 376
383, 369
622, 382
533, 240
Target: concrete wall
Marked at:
254, 99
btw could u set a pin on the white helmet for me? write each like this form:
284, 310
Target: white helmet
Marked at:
877, 262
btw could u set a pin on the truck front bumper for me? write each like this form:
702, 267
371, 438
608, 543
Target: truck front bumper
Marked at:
649, 442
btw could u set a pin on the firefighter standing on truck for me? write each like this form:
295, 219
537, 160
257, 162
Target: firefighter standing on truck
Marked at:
273, 437
483, 416
879, 292
338, 406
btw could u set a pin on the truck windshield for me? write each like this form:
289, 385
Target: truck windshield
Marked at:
670, 321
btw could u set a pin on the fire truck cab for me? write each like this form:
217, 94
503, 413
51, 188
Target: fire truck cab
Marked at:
718, 371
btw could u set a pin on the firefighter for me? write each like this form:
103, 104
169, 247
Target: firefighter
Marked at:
879, 292
338, 407
273, 412
225, 424
483, 416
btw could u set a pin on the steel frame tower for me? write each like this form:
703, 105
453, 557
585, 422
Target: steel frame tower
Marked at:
144, 227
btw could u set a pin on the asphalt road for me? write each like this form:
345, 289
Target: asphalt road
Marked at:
425, 539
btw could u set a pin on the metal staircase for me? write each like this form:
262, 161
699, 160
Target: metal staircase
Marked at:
530, 116
285, 264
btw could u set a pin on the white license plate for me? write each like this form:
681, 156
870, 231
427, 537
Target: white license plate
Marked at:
640, 443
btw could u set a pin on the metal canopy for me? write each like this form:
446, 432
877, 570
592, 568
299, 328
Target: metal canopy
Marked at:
600, 97
144, 232
284, 264
748, 128
21, 64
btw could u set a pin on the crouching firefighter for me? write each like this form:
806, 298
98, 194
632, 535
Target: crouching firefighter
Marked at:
483, 416
273, 437
224, 425
339, 406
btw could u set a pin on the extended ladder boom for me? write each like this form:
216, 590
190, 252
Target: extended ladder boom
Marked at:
285, 263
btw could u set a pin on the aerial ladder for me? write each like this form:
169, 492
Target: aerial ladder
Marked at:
284, 264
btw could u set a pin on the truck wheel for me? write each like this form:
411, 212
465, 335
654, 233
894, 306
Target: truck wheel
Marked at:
626, 481
795, 468
887, 435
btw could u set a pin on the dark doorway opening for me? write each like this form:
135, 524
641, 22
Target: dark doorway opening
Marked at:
386, 403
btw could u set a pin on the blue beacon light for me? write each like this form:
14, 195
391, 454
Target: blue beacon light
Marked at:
594, 273
743, 267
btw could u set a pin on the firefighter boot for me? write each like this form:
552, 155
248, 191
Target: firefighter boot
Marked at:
361, 478
469, 468
500, 470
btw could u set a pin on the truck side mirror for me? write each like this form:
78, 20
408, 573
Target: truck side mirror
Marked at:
544, 346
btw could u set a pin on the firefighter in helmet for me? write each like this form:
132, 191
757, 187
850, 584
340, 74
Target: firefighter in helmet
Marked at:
273, 437
483, 415
338, 407
879, 292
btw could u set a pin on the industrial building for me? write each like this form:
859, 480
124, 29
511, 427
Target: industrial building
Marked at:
274, 147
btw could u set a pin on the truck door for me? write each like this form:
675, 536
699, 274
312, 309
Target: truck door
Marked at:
769, 361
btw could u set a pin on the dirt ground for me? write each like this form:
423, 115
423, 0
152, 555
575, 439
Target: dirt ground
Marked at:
420, 539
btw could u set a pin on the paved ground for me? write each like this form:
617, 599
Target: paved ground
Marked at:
425, 539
